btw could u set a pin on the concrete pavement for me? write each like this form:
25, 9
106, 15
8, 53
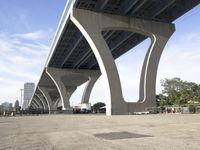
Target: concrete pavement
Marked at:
98, 132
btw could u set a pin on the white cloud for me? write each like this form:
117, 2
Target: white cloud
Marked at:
37, 35
21, 60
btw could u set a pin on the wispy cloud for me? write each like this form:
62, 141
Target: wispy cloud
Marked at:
21, 60
37, 35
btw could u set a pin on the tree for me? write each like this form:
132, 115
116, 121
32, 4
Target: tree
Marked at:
178, 92
17, 107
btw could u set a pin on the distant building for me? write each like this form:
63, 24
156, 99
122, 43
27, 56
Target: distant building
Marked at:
28, 92
6, 106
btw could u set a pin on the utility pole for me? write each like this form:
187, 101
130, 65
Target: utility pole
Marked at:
21, 96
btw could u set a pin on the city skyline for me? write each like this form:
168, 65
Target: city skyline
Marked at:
26, 44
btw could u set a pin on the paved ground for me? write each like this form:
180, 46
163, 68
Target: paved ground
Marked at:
90, 132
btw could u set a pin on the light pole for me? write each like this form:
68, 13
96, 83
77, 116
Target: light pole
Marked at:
21, 96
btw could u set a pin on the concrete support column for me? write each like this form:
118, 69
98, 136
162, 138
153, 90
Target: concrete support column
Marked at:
64, 91
149, 70
41, 101
90, 84
56, 104
93, 34
70, 90
91, 24
45, 93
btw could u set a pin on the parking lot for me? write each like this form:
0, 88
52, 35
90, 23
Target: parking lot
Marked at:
99, 132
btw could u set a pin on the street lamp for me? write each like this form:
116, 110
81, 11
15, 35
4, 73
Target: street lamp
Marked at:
21, 96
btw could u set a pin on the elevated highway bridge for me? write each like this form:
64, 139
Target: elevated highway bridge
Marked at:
91, 35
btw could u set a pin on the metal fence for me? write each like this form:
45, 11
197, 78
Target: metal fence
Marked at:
191, 109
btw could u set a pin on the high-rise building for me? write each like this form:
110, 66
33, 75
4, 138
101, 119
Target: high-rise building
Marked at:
28, 92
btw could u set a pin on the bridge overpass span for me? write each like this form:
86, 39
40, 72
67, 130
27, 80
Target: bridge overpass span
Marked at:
91, 35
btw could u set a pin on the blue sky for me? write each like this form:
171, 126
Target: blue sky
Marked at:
26, 31
27, 28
